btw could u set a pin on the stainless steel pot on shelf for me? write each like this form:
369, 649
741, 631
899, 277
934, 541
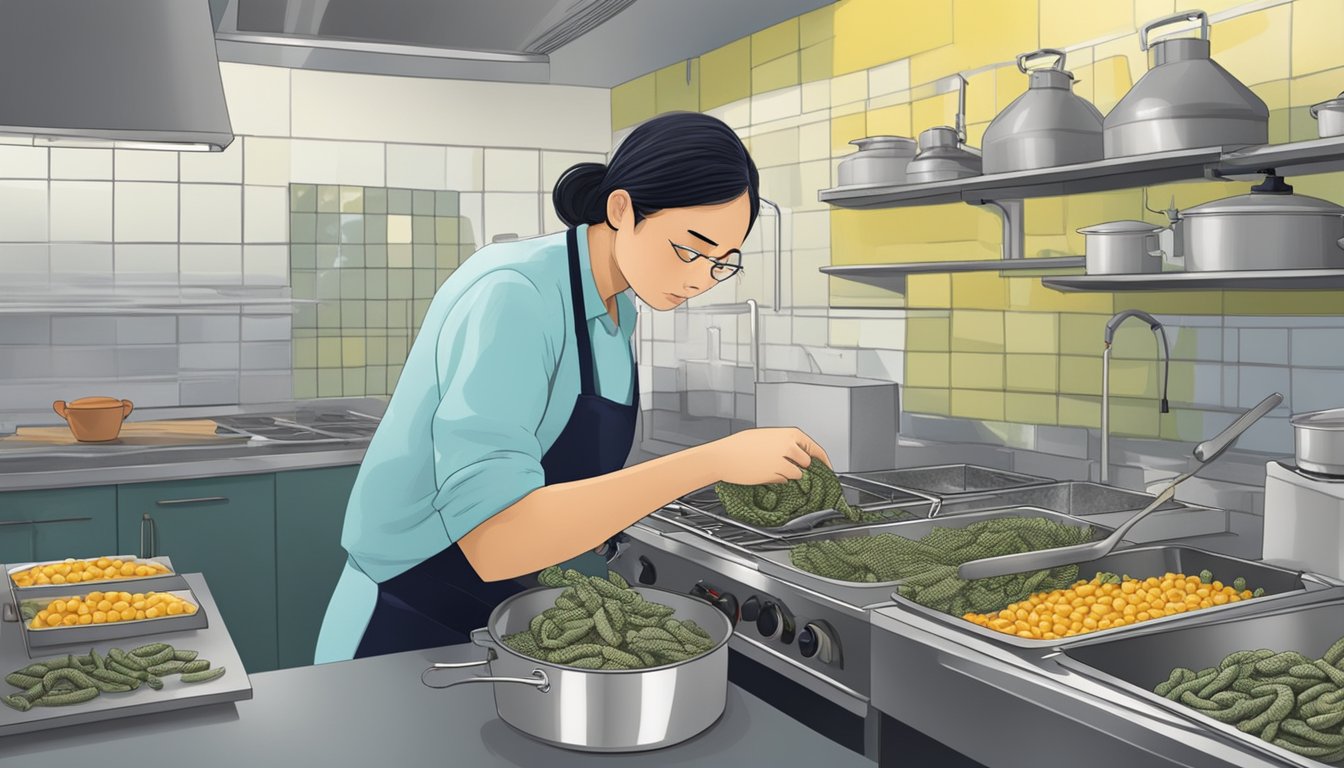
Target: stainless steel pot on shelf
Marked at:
1319, 437
943, 154
1123, 248
1185, 101
602, 710
1270, 228
1329, 117
1049, 125
880, 160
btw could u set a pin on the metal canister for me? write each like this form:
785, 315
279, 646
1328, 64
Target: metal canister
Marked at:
1049, 125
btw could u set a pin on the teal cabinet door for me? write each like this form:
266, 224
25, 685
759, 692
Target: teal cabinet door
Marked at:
309, 513
223, 528
59, 523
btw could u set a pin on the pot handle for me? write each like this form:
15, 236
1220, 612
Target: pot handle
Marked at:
1175, 17
1023, 58
1156, 250
538, 679
59, 408
126, 407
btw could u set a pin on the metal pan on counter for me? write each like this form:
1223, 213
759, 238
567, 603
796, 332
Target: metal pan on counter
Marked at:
1155, 561
92, 634
163, 582
945, 480
1135, 665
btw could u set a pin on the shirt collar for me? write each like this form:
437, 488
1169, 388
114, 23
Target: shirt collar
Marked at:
592, 300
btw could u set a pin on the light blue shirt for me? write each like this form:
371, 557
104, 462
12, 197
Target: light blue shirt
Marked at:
488, 385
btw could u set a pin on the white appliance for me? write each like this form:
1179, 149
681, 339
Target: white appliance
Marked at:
1304, 519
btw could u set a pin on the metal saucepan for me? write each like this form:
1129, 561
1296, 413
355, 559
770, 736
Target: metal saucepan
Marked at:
1329, 117
1320, 441
880, 160
602, 710
1123, 247
1270, 228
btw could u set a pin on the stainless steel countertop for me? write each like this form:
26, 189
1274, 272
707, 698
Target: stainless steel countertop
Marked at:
34, 468
375, 712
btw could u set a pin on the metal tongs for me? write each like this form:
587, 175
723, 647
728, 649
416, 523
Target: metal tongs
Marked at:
1045, 559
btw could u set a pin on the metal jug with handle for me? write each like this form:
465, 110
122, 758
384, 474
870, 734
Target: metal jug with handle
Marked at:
1049, 125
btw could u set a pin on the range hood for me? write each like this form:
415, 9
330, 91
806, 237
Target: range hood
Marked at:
129, 73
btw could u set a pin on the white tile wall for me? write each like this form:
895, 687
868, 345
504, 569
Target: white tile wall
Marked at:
512, 170
265, 218
221, 167
215, 264
265, 160
146, 212
23, 210
416, 166
266, 265
464, 169
82, 210
69, 163
512, 212
211, 213
21, 162
146, 263
144, 165
74, 261
258, 98
337, 162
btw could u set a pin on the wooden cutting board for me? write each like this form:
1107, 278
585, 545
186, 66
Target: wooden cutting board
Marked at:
167, 432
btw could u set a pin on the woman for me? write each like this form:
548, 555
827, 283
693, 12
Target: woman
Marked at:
501, 452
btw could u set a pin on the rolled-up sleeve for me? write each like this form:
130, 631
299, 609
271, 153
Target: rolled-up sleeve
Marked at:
496, 361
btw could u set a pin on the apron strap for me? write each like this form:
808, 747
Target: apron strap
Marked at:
587, 384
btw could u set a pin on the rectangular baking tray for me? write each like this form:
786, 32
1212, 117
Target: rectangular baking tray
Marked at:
86, 634
891, 503
164, 583
1144, 562
778, 552
1135, 665
947, 480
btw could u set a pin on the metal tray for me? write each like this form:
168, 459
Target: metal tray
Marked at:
778, 552
947, 479
890, 502
1144, 562
163, 583
1135, 665
88, 634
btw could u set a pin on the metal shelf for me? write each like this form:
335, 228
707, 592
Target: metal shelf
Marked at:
892, 276
1258, 280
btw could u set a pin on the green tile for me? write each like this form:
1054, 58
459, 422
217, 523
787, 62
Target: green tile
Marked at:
329, 382
352, 350
399, 201
305, 317
328, 284
1079, 376
930, 401
633, 102
393, 373
303, 227
352, 284
445, 229
375, 312
352, 315
422, 229
352, 228
354, 382
1026, 408
422, 256
780, 73
328, 199
1033, 373
971, 404
375, 284
466, 233
399, 284
305, 353
375, 350
818, 61
375, 200
1036, 332
329, 352
676, 89
445, 203
445, 256
305, 384
302, 257
398, 316
421, 309
329, 314
375, 380
352, 256
375, 228
303, 284
976, 331
928, 334
305, 333
725, 76
976, 370
328, 257
773, 42
375, 255
1082, 334
399, 256
396, 350
303, 198
440, 277
328, 227
352, 199
423, 202
424, 283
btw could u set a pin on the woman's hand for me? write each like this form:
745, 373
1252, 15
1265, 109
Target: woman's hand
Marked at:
764, 455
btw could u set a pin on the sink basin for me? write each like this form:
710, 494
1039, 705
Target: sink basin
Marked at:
950, 479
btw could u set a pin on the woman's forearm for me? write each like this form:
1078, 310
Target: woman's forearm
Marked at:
559, 522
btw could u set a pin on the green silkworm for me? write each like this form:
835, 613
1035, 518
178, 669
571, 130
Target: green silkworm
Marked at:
152, 649
589, 662
74, 676
611, 591
182, 655
1194, 684
629, 660
580, 651
618, 580
158, 657
17, 702
60, 662
20, 680
202, 677
1278, 664
1277, 710
110, 676
98, 662
551, 577
1307, 733
65, 699
170, 667
1193, 700
604, 628
609, 664
588, 597
1326, 721
35, 670
1220, 682
1310, 695
126, 660
110, 687
199, 665
1311, 671
1334, 652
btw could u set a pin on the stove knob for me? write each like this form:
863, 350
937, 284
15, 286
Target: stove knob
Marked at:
818, 640
647, 573
751, 609
726, 602
767, 623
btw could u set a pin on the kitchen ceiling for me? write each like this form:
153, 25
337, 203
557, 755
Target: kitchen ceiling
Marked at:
575, 42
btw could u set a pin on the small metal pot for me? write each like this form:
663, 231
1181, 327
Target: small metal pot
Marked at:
1320, 441
1271, 228
943, 156
1123, 248
1329, 117
880, 160
595, 710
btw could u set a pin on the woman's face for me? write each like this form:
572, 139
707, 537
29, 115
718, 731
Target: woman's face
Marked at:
661, 257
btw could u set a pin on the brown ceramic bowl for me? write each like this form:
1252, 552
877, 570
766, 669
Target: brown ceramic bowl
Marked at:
94, 419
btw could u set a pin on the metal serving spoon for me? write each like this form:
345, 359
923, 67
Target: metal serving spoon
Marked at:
1045, 559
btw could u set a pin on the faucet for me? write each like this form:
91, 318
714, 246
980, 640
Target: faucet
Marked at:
1111, 326
779, 253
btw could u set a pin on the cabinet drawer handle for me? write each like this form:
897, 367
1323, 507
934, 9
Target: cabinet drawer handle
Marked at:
201, 500
47, 522
149, 531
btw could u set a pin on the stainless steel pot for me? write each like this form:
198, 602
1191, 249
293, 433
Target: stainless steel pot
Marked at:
602, 710
943, 154
1320, 441
1049, 125
1270, 228
1185, 101
1123, 248
1329, 117
880, 160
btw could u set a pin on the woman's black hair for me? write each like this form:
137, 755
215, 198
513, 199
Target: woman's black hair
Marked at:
675, 160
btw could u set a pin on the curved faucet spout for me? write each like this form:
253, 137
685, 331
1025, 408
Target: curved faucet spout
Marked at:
1109, 337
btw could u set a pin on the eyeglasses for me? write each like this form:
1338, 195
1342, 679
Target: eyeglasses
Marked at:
719, 270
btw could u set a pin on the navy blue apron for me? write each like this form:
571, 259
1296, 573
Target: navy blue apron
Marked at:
439, 601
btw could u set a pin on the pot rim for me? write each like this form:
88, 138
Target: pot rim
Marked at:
95, 403
1332, 105
1123, 227
500, 647
1329, 420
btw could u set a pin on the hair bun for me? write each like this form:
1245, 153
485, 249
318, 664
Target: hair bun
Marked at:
576, 195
